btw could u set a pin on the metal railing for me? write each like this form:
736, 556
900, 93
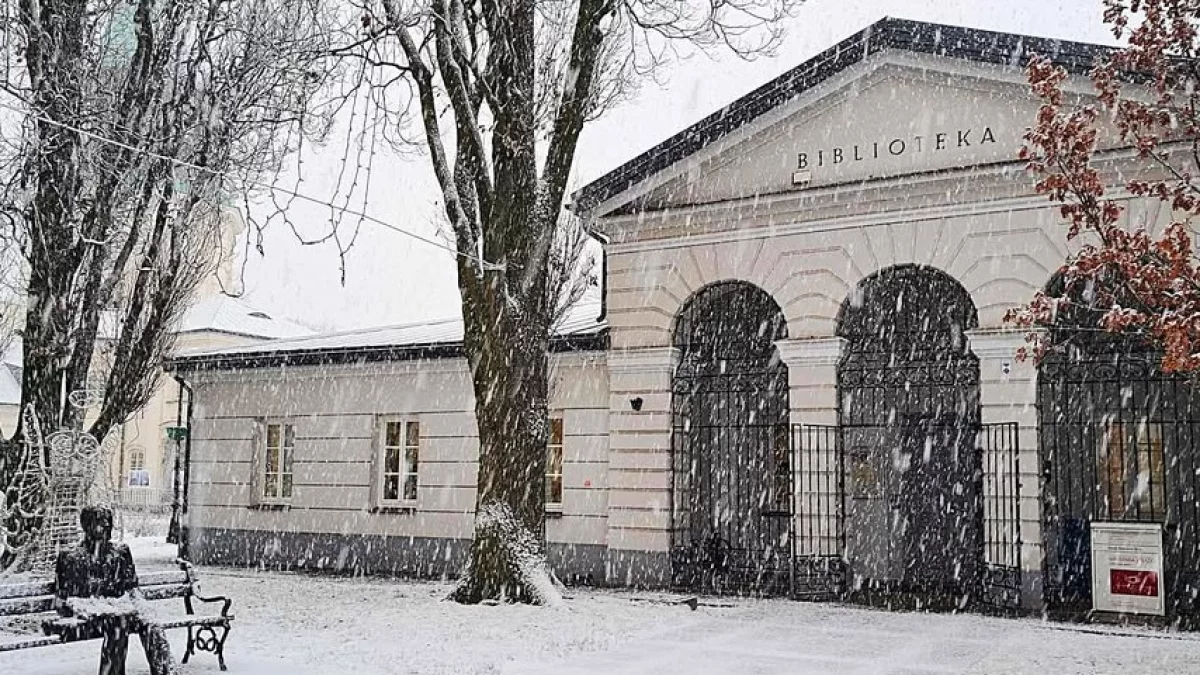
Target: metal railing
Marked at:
147, 498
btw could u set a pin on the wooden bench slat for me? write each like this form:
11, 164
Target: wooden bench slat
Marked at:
165, 591
29, 643
179, 621
18, 606
25, 589
45, 603
182, 621
163, 577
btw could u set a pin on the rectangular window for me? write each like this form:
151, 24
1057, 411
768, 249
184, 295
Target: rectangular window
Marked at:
864, 483
138, 475
277, 467
401, 456
1130, 471
554, 465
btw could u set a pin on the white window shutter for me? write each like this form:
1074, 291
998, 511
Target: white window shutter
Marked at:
377, 432
257, 458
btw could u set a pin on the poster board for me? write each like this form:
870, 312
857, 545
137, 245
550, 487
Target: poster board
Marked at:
1127, 568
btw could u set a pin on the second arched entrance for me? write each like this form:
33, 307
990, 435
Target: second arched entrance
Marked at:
908, 389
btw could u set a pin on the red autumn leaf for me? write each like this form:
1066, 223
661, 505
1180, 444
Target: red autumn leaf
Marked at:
1132, 280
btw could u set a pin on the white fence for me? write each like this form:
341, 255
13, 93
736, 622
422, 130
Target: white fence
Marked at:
151, 499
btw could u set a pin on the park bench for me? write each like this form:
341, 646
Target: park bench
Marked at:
30, 605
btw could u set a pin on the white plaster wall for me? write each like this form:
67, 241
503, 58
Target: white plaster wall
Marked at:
335, 410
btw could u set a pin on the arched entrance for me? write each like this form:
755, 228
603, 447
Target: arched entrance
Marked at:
732, 496
1120, 443
908, 399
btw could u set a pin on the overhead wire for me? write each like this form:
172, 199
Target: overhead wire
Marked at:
259, 184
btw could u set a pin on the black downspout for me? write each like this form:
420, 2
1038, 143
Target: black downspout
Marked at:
603, 240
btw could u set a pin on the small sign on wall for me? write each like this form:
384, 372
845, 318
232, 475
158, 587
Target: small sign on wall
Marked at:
864, 479
1127, 568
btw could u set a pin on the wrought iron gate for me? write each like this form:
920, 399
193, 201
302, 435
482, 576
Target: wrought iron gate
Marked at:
733, 503
820, 566
1001, 582
731, 512
942, 531
1120, 441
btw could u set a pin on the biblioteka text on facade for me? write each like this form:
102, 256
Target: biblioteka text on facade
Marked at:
896, 147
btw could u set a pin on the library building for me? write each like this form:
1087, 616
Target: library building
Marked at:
799, 381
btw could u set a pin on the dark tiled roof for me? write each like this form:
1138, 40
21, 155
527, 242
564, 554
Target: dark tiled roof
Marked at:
970, 44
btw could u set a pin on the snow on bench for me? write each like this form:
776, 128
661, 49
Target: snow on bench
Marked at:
30, 604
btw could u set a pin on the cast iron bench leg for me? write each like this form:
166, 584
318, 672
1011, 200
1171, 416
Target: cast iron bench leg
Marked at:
221, 647
191, 645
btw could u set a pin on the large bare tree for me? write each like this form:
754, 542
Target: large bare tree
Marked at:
135, 128
501, 90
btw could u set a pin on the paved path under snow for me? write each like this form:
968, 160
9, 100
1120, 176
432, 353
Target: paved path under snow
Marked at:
803, 639
290, 624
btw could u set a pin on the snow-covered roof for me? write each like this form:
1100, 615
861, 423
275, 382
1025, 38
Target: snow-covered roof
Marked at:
221, 314
582, 328
224, 314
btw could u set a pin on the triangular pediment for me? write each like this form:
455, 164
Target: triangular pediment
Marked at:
896, 122
893, 121
930, 99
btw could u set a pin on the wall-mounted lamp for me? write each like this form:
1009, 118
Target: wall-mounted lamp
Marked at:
636, 403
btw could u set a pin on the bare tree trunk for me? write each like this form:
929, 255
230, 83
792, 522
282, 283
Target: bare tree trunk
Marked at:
539, 69
55, 42
507, 346
510, 406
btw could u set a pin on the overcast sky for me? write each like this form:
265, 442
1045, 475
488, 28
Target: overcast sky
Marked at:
392, 279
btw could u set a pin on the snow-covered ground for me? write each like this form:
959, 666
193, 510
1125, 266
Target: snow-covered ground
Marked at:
311, 625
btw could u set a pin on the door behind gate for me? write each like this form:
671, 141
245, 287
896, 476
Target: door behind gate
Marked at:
844, 481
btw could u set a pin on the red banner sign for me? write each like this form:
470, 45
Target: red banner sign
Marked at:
1133, 582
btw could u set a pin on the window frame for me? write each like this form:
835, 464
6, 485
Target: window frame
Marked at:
287, 453
555, 416
402, 472
138, 467
1119, 468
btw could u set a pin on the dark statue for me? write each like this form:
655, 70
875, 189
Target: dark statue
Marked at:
98, 596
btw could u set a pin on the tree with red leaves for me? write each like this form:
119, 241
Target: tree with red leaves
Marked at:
1126, 278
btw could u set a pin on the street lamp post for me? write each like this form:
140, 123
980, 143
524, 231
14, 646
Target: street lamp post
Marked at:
178, 435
